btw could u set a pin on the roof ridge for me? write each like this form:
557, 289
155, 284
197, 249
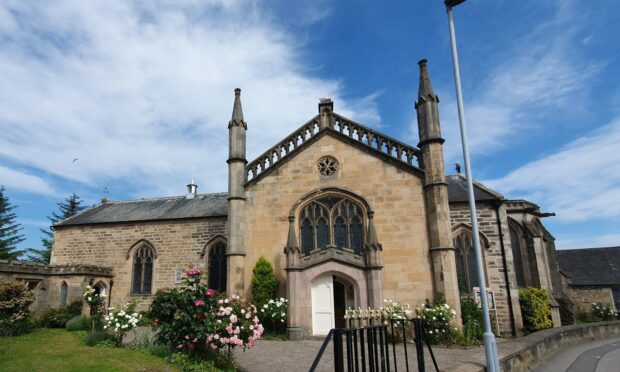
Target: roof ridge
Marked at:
159, 198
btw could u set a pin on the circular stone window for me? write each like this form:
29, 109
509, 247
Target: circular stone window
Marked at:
328, 166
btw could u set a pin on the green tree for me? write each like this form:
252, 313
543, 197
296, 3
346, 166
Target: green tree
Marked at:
67, 208
9, 229
264, 283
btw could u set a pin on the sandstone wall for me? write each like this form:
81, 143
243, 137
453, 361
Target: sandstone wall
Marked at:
394, 194
178, 244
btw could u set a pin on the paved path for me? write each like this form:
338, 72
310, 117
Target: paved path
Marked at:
592, 356
293, 356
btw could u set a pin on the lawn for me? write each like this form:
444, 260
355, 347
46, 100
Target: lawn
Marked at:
60, 350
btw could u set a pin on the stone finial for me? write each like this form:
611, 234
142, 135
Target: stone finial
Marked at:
425, 89
237, 115
326, 108
292, 238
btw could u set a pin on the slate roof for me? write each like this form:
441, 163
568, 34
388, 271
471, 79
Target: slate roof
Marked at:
177, 207
591, 266
457, 190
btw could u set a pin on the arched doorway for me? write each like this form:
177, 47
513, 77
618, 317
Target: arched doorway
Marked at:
331, 296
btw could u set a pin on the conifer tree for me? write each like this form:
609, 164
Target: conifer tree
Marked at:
264, 282
9, 229
68, 208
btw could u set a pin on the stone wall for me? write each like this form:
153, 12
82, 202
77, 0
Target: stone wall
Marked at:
395, 195
178, 245
46, 281
492, 257
583, 298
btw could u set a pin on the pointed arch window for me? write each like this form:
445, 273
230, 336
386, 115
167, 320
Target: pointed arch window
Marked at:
218, 267
142, 270
332, 221
466, 267
64, 288
516, 243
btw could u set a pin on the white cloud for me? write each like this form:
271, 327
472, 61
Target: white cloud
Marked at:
142, 94
535, 76
580, 182
17, 181
572, 241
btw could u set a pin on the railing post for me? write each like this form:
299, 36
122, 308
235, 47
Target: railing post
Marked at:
338, 356
419, 346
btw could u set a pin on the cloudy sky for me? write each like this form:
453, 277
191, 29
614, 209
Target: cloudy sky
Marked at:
140, 93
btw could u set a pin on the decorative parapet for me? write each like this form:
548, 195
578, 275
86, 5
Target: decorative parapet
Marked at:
389, 146
373, 139
283, 148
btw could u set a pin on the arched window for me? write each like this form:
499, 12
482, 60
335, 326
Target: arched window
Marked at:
142, 270
64, 288
466, 267
517, 255
217, 267
332, 221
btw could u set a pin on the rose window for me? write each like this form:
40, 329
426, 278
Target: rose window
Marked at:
328, 166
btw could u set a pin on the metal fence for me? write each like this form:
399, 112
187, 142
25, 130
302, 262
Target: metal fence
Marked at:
373, 348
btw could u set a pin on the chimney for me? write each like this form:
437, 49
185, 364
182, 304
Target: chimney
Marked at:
191, 190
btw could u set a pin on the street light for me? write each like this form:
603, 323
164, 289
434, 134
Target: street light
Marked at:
490, 346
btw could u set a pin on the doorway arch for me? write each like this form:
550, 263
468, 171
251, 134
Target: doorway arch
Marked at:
331, 295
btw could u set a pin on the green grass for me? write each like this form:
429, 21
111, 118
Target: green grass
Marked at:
60, 350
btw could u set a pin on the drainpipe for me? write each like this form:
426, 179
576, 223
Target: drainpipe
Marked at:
513, 327
110, 292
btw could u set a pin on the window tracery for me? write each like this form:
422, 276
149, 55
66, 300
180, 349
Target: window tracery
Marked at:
332, 221
142, 270
466, 266
328, 166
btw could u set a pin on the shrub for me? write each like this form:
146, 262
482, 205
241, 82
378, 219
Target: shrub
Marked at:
535, 309
15, 299
92, 339
602, 313
198, 322
122, 321
55, 318
273, 315
75, 308
471, 315
437, 321
78, 323
264, 282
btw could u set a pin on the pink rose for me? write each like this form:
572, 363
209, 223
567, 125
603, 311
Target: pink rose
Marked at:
199, 303
210, 292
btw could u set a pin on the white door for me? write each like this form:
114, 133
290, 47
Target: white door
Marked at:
322, 305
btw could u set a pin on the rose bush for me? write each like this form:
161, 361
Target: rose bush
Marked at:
121, 321
274, 314
437, 321
196, 320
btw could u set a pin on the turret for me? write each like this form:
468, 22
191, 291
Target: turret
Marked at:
236, 198
436, 191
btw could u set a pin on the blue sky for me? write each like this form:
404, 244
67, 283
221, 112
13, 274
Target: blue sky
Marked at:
141, 93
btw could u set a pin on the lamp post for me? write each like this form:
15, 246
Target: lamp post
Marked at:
490, 346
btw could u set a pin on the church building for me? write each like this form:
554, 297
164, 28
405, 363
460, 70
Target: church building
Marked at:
347, 216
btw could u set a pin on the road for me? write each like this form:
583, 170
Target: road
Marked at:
593, 356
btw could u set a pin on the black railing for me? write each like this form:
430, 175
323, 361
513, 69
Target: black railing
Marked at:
368, 347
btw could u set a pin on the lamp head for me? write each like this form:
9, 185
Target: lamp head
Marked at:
453, 3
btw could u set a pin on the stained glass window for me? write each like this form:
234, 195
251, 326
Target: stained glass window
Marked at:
332, 220
517, 256
217, 267
466, 267
142, 270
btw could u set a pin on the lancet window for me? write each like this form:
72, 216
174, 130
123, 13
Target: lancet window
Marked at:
466, 267
142, 270
332, 221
